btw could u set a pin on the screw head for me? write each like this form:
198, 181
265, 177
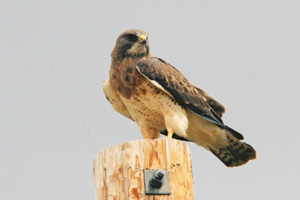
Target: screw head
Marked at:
160, 174
156, 182
157, 179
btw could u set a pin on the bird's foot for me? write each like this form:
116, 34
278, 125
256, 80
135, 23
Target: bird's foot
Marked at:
170, 133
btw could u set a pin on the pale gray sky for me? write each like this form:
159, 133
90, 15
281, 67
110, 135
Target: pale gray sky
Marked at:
54, 56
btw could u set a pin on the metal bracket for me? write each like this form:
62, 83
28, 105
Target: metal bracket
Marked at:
157, 182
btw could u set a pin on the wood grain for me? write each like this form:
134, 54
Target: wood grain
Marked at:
118, 170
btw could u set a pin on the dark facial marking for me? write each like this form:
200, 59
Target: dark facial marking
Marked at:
132, 37
125, 43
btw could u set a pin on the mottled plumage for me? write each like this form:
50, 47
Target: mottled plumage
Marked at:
160, 99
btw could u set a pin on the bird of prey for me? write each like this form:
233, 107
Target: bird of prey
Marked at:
155, 95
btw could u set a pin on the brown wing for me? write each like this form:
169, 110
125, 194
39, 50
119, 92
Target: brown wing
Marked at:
214, 104
169, 79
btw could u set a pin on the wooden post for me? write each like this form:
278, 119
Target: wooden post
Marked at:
119, 170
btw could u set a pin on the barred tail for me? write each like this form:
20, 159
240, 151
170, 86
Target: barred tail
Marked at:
235, 153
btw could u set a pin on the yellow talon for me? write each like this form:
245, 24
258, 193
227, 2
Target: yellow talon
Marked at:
170, 134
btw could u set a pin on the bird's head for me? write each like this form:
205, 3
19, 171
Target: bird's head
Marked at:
132, 43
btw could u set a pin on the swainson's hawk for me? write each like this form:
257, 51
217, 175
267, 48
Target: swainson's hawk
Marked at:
160, 99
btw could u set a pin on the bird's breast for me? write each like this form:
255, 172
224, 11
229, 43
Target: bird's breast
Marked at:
145, 104
125, 78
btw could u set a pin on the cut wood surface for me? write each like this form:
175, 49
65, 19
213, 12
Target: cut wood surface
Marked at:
119, 175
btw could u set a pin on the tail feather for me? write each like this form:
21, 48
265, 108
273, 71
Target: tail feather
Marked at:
234, 154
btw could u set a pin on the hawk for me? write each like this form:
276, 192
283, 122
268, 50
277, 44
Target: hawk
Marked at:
155, 95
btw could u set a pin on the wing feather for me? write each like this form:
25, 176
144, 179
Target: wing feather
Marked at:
178, 86
186, 94
214, 104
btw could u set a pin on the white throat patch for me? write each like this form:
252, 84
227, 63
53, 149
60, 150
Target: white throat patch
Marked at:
137, 49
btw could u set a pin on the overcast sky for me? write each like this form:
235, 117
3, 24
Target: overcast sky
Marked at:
54, 118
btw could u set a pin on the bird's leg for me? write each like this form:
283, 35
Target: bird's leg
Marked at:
170, 132
149, 132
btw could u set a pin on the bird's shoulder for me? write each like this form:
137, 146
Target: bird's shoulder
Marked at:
169, 79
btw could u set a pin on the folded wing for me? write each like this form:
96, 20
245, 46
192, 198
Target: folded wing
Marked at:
169, 79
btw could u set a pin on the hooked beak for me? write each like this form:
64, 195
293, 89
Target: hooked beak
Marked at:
143, 39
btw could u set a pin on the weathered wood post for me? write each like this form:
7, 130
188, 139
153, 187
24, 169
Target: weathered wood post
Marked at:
119, 171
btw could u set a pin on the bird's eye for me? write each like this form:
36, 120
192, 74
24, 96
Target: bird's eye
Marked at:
132, 37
